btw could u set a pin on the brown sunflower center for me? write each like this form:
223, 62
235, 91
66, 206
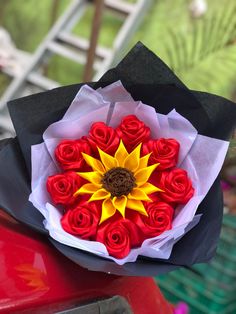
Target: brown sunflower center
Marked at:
118, 181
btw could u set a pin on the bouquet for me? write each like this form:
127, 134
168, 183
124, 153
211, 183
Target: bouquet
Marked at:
120, 174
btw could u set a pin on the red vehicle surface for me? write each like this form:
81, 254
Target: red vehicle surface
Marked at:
35, 278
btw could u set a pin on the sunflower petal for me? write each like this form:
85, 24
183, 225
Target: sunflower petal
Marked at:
149, 188
120, 204
108, 161
142, 175
143, 162
94, 163
136, 205
132, 160
108, 210
88, 188
138, 194
93, 177
100, 194
121, 154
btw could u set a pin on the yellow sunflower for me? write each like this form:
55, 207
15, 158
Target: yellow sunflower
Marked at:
120, 181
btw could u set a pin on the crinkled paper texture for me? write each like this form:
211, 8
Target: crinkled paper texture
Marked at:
198, 155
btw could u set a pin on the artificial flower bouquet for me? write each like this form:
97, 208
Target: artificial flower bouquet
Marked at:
120, 174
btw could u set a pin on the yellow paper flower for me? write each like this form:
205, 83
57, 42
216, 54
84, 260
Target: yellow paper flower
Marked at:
120, 181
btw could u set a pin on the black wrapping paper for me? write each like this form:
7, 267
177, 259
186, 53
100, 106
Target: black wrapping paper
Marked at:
148, 79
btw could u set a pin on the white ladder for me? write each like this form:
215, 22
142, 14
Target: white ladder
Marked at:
62, 42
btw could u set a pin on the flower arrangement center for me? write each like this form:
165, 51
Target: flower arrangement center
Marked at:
118, 181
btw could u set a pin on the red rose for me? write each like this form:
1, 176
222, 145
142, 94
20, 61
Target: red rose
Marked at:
69, 154
82, 220
176, 185
104, 137
160, 216
118, 236
133, 132
62, 187
164, 151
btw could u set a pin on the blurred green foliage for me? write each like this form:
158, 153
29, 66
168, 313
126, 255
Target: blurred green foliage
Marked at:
27, 21
202, 51
4, 81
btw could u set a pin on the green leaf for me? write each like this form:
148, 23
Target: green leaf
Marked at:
205, 57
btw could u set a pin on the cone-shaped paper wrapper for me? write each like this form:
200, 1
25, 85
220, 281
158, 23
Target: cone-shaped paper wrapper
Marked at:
148, 79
